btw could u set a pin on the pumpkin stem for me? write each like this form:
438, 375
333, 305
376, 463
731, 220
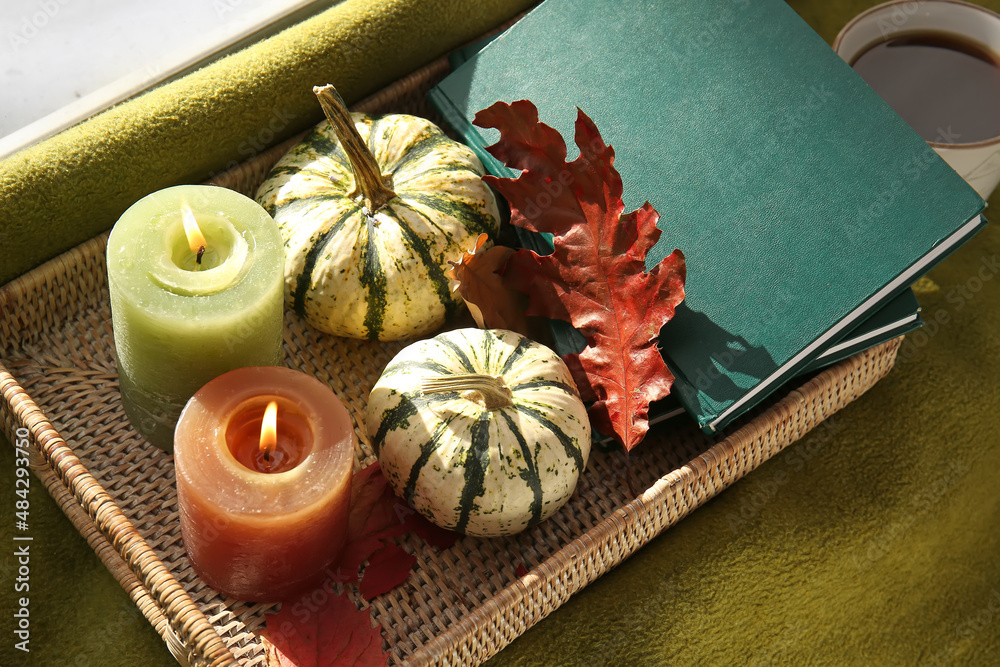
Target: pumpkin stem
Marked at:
492, 389
375, 186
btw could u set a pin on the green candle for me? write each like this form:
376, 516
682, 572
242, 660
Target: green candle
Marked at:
188, 305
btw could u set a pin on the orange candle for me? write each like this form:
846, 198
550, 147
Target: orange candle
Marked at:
263, 458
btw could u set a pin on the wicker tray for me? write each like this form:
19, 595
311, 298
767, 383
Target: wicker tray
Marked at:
459, 606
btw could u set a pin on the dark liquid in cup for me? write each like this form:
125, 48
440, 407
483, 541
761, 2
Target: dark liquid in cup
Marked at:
947, 89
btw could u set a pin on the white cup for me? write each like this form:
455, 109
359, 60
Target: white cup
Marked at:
978, 162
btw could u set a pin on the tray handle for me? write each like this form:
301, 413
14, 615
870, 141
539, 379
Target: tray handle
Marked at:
190, 638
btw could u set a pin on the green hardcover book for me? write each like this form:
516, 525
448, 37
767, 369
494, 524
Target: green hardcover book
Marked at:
802, 202
896, 318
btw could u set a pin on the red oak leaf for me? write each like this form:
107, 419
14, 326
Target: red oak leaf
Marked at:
387, 568
372, 504
436, 536
320, 628
376, 516
330, 633
478, 282
372, 519
595, 279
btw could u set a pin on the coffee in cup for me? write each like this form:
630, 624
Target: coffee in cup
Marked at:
937, 64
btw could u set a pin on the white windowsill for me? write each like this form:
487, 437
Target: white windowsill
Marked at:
62, 61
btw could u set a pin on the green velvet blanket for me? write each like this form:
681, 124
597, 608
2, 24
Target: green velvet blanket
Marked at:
874, 540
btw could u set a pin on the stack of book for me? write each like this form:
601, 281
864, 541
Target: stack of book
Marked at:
804, 205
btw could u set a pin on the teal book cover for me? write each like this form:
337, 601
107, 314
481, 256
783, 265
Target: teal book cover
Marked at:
896, 318
801, 201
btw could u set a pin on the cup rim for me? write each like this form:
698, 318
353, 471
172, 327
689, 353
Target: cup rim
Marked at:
871, 10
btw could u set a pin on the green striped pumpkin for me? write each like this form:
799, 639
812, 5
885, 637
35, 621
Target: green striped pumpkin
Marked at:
471, 455
367, 241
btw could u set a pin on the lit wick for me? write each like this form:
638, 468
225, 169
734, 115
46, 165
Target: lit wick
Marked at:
269, 431
196, 240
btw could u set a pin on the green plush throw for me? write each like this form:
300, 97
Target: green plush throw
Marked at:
875, 540
73, 186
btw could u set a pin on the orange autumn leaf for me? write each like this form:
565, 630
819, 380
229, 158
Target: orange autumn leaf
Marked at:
476, 278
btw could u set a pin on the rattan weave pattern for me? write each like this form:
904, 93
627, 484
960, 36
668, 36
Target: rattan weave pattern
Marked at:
460, 606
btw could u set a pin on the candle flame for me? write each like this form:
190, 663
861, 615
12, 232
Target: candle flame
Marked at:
269, 429
196, 240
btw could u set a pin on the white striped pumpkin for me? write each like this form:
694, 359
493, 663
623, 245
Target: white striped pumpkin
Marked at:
363, 268
475, 461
